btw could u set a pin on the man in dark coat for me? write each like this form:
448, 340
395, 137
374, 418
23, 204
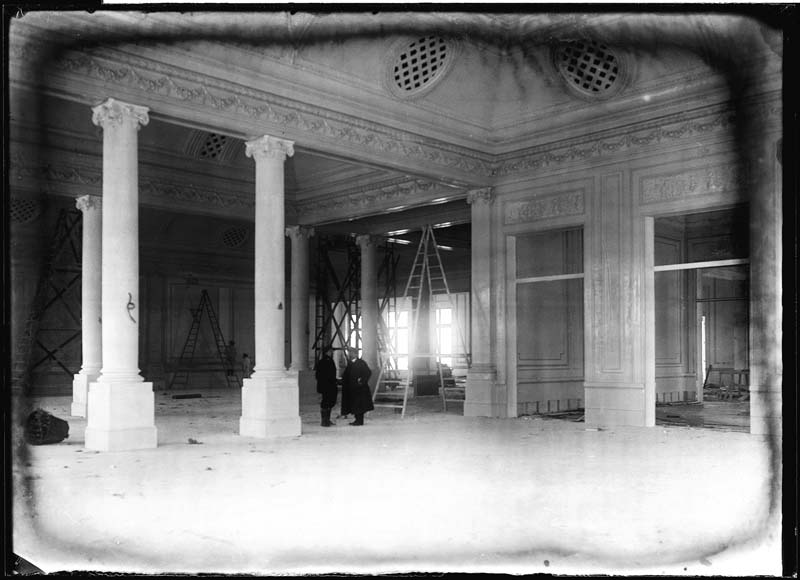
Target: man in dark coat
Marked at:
356, 394
325, 372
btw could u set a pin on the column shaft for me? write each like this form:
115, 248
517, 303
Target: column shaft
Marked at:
299, 286
369, 303
120, 405
91, 302
270, 397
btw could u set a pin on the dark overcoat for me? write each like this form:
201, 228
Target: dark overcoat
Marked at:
356, 394
325, 372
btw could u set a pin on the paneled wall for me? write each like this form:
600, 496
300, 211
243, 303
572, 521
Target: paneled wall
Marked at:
639, 331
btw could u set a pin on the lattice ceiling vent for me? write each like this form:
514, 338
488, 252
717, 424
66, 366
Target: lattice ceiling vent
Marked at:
417, 66
590, 68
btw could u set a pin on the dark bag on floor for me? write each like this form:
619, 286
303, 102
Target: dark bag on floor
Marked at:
42, 428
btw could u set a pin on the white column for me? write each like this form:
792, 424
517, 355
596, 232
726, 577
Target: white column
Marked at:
91, 293
270, 398
299, 236
120, 404
481, 397
369, 303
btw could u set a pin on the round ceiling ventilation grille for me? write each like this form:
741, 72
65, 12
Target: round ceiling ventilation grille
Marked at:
589, 67
213, 146
235, 237
416, 66
23, 210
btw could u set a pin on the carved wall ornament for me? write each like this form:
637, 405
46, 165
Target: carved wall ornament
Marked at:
188, 193
268, 147
21, 170
113, 113
726, 178
562, 204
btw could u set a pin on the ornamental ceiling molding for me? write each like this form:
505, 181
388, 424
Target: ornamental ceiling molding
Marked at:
670, 129
187, 86
152, 189
367, 198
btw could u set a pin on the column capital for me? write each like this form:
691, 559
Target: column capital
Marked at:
269, 147
112, 113
297, 232
482, 195
88, 202
364, 240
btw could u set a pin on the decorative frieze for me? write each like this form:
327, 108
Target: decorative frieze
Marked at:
369, 197
255, 105
550, 206
725, 178
667, 131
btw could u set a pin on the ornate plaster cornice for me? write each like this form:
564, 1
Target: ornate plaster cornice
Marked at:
151, 189
663, 131
184, 86
368, 197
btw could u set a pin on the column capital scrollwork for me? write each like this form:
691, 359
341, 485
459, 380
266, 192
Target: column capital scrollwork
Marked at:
88, 202
269, 147
297, 232
482, 195
364, 240
112, 113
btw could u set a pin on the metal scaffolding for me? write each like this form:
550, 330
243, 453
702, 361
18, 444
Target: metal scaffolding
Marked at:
54, 324
338, 299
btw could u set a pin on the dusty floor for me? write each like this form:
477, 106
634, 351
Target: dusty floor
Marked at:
430, 492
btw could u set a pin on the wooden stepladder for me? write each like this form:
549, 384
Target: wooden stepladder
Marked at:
427, 278
181, 376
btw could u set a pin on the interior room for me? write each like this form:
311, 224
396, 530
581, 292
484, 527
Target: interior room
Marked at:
554, 238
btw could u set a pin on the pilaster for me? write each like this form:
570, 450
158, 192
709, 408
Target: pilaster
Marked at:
482, 395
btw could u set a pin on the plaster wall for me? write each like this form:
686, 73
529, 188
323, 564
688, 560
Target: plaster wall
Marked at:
611, 199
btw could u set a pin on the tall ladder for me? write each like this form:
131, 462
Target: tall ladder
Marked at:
181, 376
428, 273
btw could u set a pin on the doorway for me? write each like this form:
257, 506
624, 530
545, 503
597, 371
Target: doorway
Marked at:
701, 299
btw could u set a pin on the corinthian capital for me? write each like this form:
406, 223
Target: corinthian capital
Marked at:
88, 202
269, 147
297, 232
365, 240
482, 195
114, 113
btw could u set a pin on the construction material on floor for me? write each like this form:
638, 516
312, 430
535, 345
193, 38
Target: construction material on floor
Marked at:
42, 428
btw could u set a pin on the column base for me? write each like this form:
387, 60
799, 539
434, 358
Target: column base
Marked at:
120, 416
482, 397
270, 405
80, 392
307, 383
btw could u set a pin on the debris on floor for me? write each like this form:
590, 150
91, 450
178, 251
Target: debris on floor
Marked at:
42, 428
